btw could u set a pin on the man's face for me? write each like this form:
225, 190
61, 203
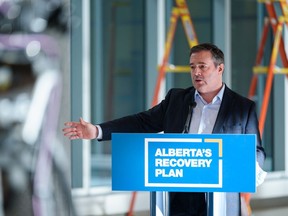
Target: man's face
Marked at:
206, 77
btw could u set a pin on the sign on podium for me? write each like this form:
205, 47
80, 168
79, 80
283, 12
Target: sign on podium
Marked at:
184, 162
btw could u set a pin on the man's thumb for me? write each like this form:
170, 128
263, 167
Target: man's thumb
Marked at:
82, 121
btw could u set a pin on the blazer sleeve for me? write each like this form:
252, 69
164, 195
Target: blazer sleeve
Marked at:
168, 116
149, 121
253, 128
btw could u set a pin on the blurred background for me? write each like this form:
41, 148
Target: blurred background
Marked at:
65, 59
34, 57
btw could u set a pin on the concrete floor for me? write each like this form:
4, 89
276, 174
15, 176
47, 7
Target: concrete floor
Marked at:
279, 211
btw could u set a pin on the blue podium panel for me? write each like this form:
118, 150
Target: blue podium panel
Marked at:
184, 162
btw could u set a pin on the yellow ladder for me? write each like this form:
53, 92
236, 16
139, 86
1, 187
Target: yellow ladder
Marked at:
179, 11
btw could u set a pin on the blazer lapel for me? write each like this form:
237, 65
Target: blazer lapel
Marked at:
227, 101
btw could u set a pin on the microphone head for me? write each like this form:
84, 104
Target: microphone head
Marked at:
193, 104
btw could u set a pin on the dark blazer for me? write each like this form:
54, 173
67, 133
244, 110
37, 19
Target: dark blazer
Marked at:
237, 115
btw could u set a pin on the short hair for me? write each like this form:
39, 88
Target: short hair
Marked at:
217, 54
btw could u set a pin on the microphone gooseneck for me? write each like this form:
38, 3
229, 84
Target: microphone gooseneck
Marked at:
189, 116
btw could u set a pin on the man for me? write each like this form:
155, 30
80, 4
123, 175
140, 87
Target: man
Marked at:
218, 110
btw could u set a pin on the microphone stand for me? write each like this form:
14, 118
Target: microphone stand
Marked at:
209, 196
189, 117
185, 131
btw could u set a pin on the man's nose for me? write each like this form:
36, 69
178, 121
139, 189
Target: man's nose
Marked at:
197, 71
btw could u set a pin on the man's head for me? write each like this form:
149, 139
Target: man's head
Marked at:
207, 67
217, 54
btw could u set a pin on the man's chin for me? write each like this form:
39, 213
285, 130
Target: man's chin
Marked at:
199, 86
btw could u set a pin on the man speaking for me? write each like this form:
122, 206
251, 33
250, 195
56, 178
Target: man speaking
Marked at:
218, 110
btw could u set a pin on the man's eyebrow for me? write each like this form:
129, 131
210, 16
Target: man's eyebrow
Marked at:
191, 63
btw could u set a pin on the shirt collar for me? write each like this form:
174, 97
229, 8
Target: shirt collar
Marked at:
219, 96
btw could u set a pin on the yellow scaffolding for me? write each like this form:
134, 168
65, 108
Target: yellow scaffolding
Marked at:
276, 23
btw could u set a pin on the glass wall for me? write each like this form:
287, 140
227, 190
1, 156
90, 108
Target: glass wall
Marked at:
123, 70
244, 43
201, 17
118, 64
122, 76
247, 25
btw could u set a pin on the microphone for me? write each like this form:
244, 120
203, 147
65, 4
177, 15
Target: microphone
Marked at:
188, 120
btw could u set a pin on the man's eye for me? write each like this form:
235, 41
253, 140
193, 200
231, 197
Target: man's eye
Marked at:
202, 66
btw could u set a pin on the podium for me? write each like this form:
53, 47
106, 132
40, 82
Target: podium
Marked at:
183, 163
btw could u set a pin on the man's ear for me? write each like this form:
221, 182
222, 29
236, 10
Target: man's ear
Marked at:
221, 68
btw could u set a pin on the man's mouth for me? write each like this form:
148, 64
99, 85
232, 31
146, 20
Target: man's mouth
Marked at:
197, 80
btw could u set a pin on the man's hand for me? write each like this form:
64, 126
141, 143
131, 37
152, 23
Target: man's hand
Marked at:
80, 130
